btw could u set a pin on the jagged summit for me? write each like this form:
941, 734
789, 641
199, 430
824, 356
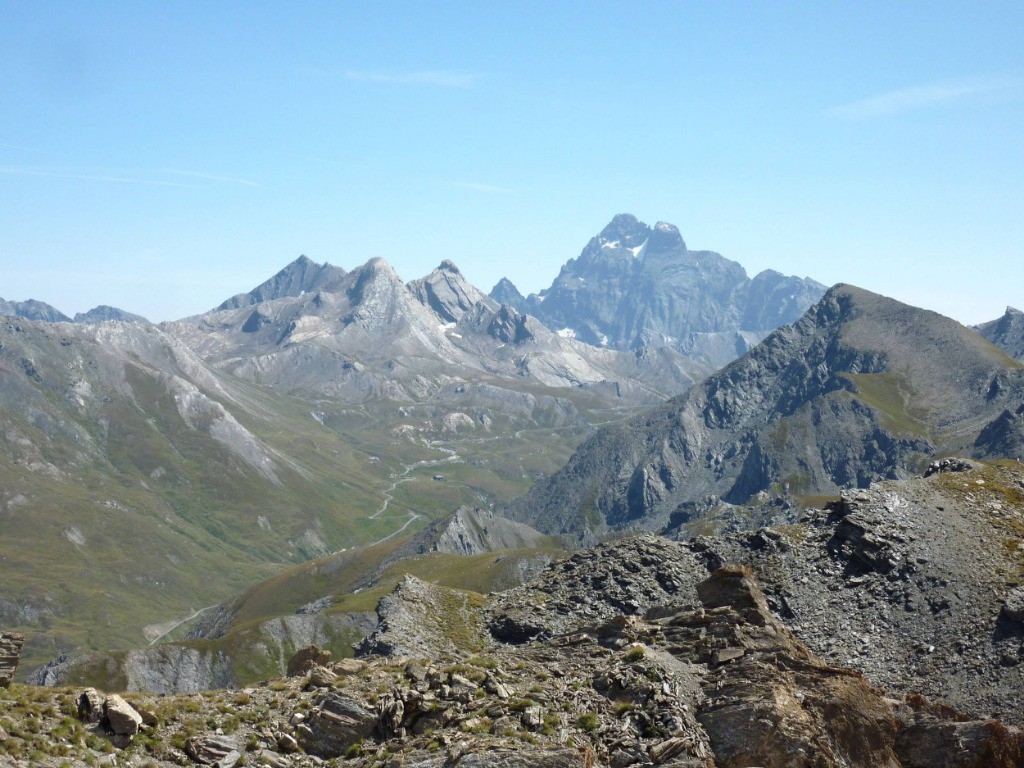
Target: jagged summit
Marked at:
636, 286
104, 313
447, 292
625, 231
665, 237
33, 310
301, 276
505, 292
1006, 332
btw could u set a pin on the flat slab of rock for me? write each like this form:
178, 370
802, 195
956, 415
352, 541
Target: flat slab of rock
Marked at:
220, 751
335, 725
11, 644
526, 758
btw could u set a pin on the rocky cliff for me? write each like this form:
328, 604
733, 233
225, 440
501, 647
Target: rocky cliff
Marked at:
1006, 332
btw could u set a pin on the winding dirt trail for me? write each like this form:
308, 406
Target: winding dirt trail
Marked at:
177, 624
403, 477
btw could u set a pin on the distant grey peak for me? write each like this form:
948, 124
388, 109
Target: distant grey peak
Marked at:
377, 273
33, 310
625, 230
300, 276
620, 240
104, 313
1006, 332
666, 237
773, 300
447, 292
510, 326
505, 292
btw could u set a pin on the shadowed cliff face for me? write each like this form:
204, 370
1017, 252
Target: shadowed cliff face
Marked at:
860, 388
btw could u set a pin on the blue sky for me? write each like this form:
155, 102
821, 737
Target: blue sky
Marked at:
163, 156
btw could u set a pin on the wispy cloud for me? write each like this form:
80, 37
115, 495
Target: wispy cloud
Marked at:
476, 187
60, 174
440, 78
17, 147
921, 97
211, 177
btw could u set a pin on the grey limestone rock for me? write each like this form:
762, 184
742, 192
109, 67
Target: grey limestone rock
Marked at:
1006, 332
121, 716
334, 725
11, 644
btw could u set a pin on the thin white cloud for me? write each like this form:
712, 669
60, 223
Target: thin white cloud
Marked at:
476, 187
211, 177
920, 97
59, 174
441, 78
15, 146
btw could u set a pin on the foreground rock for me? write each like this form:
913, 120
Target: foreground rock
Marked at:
11, 644
629, 654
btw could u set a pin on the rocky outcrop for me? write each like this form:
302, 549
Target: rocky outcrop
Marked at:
423, 619
1006, 332
11, 644
334, 725
472, 531
222, 662
665, 663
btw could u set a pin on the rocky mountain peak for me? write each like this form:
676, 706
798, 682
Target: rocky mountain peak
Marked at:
104, 313
33, 310
447, 292
505, 292
298, 277
1006, 332
625, 231
666, 237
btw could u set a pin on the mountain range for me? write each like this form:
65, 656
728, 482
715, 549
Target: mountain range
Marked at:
235, 496
322, 408
860, 389
635, 286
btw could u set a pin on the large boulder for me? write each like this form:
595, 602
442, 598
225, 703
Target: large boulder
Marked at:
121, 716
306, 658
